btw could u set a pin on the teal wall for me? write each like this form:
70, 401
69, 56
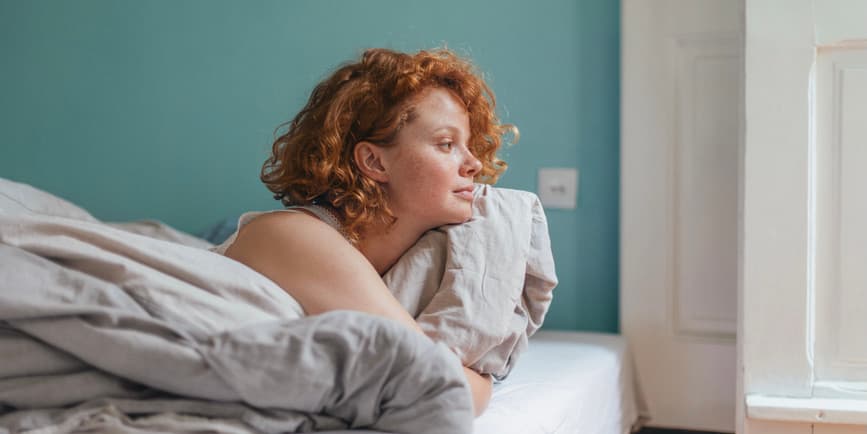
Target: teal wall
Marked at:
166, 109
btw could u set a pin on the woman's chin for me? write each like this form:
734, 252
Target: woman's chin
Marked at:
464, 218
456, 216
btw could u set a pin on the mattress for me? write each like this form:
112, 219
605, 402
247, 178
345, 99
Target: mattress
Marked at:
566, 382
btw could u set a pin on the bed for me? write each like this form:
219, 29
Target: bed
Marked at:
567, 382
138, 328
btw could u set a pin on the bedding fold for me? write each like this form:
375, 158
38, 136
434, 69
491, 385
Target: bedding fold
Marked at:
482, 287
113, 328
109, 326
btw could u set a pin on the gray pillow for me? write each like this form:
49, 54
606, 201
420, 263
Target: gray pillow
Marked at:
220, 231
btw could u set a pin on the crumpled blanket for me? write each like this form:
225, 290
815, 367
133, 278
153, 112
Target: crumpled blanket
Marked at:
482, 287
104, 329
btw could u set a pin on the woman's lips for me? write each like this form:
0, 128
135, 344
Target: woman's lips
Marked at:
465, 193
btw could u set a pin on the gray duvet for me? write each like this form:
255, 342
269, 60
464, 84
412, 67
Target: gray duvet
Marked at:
106, 330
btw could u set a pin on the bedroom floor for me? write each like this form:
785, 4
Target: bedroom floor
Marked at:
647, 430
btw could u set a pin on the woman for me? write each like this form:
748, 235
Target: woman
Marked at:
385, 149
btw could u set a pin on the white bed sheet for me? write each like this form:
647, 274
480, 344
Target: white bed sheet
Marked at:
566, 382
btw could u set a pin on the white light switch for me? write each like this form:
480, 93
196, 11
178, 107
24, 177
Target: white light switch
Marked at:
558, 187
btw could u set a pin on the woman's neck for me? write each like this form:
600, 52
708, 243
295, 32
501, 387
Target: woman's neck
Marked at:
384, 246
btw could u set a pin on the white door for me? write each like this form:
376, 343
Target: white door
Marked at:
681, 117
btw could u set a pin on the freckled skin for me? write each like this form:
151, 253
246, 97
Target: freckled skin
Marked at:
430, 161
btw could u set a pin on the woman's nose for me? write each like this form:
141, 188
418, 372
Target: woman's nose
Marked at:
471, 165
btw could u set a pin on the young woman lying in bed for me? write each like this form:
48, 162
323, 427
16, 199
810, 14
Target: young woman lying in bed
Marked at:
386, 149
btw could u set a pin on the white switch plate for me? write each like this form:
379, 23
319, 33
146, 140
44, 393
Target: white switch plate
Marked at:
558, 187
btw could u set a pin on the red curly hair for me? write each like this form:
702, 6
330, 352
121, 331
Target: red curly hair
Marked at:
312, 162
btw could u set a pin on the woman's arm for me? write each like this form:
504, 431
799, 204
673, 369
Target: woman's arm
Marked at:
481, 387
320, 269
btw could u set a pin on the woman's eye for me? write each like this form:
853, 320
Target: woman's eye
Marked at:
446, 145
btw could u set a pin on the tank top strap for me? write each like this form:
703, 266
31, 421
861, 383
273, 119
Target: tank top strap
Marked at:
323, 214
317, 211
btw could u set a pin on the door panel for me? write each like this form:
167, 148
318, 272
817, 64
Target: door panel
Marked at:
680, 140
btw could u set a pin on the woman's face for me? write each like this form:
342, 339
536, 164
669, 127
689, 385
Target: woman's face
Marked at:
430, 169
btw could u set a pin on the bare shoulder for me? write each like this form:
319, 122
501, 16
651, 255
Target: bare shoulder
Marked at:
280, 234
298, 227
303, 255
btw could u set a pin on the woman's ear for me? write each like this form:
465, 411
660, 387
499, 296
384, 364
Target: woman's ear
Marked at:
368, 158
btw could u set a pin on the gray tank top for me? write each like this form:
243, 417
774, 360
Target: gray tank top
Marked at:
320, 212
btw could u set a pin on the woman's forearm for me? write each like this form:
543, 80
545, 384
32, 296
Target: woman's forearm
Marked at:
480, 386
